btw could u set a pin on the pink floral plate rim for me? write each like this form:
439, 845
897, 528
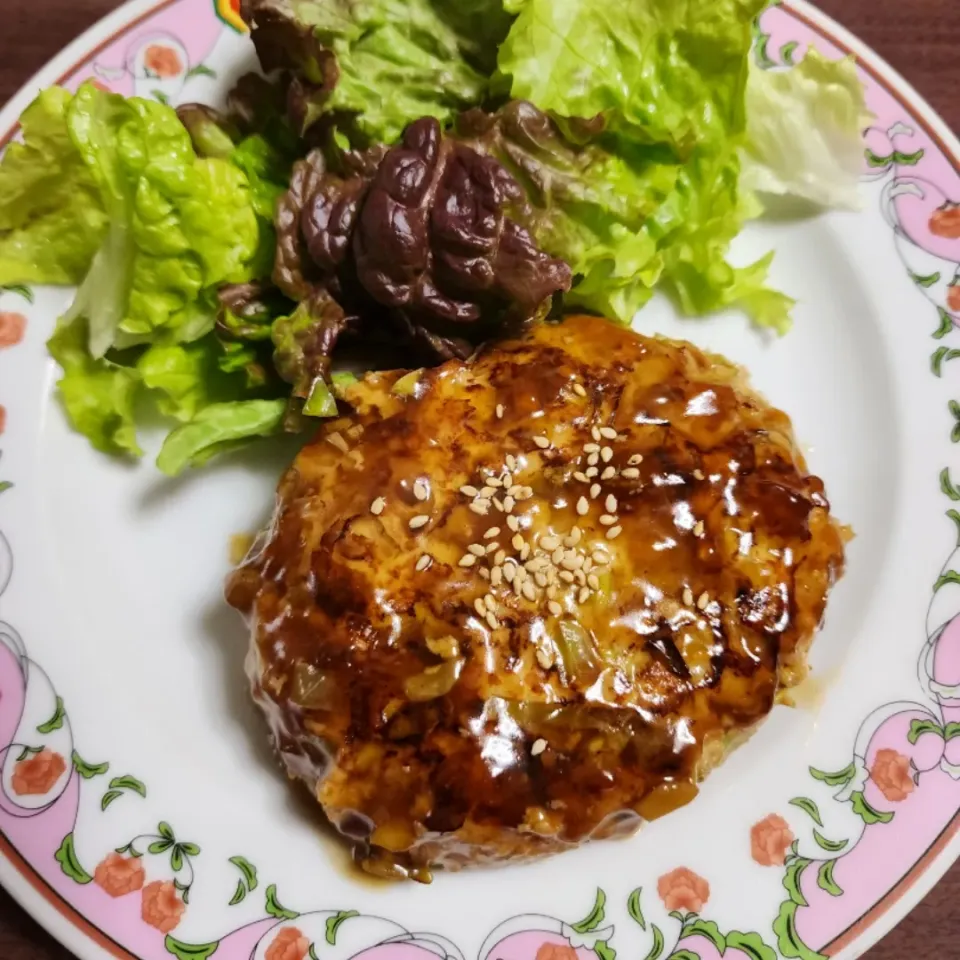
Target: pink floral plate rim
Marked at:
904, 754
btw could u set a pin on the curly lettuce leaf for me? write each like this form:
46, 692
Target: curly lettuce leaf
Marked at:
218, 428
51, 217
805, 131
384, 63
98, 395
656, 71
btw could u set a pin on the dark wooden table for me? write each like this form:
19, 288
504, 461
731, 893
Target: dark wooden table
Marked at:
921, 38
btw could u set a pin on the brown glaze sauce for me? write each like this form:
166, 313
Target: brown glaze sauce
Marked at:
440, 728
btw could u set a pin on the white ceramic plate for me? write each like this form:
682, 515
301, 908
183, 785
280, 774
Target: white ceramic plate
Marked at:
124, 716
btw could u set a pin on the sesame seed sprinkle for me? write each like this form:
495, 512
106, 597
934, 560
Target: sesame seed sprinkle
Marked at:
337, 440
499, 411
481, 507
558, 555
513, 523
486, 492
614, 532
508, 573
419, 521
591, 448
479, 607
566, 576
549, 543
491, 533
420, 490
698, 528
607, 519
499, 557
687, 597
469, 491
630, 473
595, 491
698, 474
608, 433
517, 541
593, 581
491, 604
496, 575
583, 507
508, 503
610, 503
478, 550
484, 572
376, 508
598, 556
703, 601
609, 473
593, 459
525, 551
538, 747
606, 454
498, 503
468, 560
581, 476
492, 621
583, 595
635, 460
579, 390
595, 433
424, 561
592, 472
554, 608
544, 658
541, 442
575, 534
511, 462
507, 480
528, 590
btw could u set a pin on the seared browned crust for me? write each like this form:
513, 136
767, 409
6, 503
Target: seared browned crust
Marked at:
434, 735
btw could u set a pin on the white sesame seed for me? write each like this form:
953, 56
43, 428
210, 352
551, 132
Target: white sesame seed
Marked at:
557, 556
610, 503
554, 608
494, 482
588, 565
528, 590
575, 534
481, 507
508, 573
479, 606
424, 561
520, 575
498, 503
606, 454
580, 575
420, 521
608, 433
573, 563
541, 442
591, 448
511, 461
583, 595
698, 528
513, 523
538, 747
541, 578
507, 481
486, 493
420, 490
508, 503
703, 601
593, 459
496, 575
687, 597
549, 543
595, 491
517, 541
478, 550
614, 532
526, 494
499, 557
490, 602
636, 459
468, 560
336, 440
525, 551
491, 533
583, 507
515, 490
600, 557
492, 621
537, 563
592, 472
595, 433
376, 508
580, 476
608, 473
544, 658
579, 390
499, 411
593, 581
698, 474
566, 576
551, 591
484, 572
630, 473
469, 491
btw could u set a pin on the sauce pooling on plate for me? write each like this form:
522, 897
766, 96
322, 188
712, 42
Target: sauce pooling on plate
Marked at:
513, 604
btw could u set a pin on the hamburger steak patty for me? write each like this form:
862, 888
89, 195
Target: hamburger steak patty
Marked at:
509, 605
